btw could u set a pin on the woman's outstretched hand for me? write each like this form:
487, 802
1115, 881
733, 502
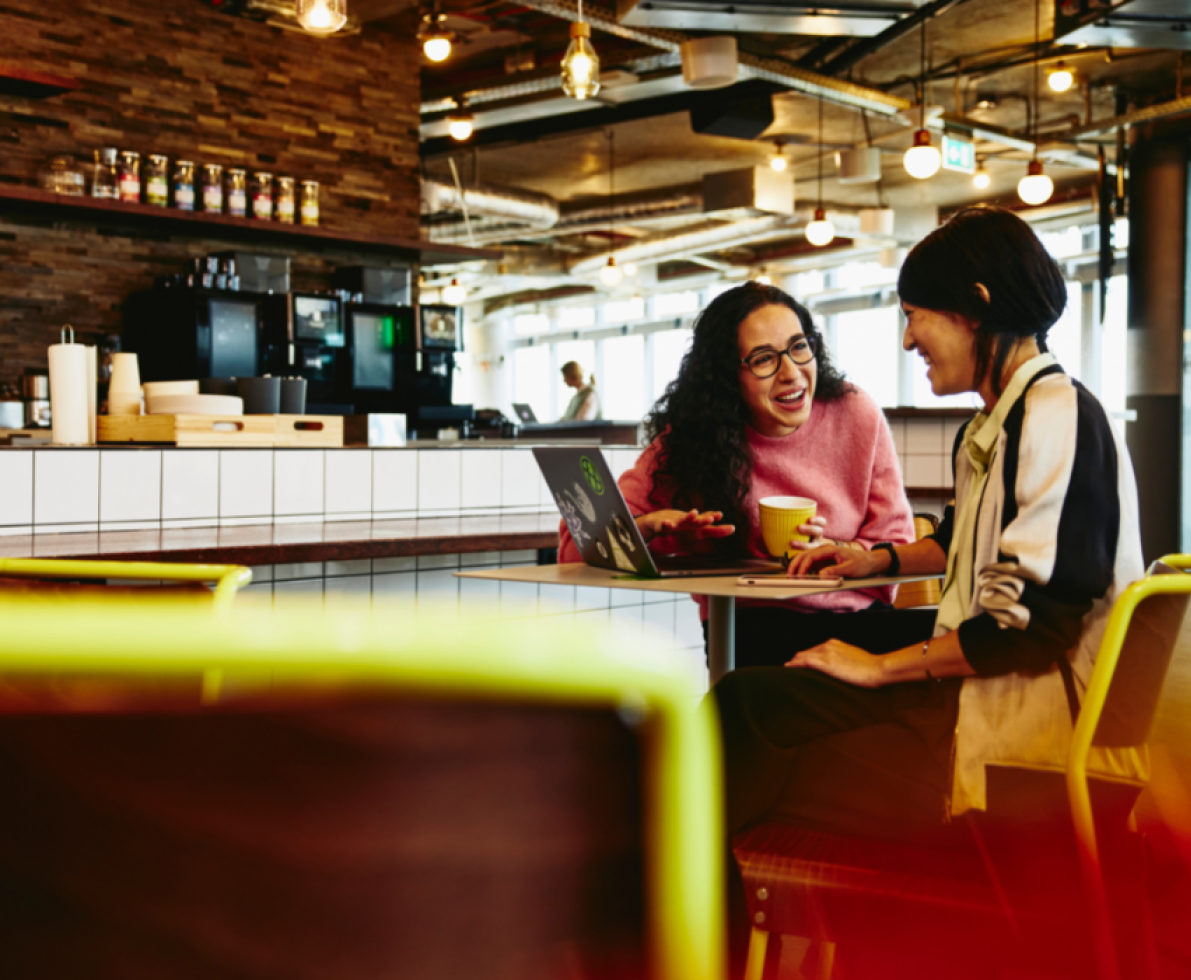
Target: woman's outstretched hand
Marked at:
842, 661
844, 560
814, 528
691, 524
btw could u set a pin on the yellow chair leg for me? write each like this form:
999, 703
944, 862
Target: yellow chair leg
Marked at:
758, 944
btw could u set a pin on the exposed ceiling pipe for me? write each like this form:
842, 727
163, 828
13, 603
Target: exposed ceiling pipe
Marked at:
1134, 118
783, 73
524, 208
721, 235
858, 52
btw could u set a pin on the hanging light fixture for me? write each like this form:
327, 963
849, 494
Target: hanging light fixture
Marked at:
1060, 78
436, 39
580, 65
1035, 187
820, 231
981, 178
321, 16
611, 274
460, 122
923, 159
629, 269
778, 161
762, 278
454, 294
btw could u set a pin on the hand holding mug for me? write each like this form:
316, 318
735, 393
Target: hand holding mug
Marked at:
812, 531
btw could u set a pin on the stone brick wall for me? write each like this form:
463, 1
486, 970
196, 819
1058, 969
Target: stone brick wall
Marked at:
181, 79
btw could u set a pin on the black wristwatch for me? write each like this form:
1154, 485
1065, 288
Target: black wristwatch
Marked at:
895, 563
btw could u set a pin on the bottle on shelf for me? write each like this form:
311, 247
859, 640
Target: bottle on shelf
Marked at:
262, 195
285, 200
310, 213
237, 192
130, 177
106, 181
213, 188
184, 185
157, 180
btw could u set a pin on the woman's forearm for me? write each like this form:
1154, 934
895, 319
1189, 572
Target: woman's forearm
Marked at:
918, 558
939, 657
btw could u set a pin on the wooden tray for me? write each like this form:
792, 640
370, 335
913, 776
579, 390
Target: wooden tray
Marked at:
188, 430
309, 431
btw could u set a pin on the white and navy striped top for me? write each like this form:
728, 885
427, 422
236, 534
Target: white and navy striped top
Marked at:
1048, 521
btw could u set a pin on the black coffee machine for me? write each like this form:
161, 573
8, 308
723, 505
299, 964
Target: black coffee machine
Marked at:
180, 333
304, 337
378, 371
442, 337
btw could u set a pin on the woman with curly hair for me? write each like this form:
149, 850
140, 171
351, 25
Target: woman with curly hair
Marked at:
758, 410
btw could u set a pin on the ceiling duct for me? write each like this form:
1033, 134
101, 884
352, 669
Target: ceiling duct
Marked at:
844, 18
520, 210
734, 116
1133, 24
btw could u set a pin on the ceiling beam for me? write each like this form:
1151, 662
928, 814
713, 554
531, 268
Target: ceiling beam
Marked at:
370, 10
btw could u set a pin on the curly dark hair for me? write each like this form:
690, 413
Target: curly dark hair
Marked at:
700, 419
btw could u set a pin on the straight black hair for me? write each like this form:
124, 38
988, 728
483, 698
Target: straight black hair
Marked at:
993, 247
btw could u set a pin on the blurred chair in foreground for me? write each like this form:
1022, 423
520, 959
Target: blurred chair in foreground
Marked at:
1048, 882
63, 577
364, 800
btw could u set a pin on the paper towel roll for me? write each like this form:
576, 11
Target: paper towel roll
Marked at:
92, 392
68, 395
126, 375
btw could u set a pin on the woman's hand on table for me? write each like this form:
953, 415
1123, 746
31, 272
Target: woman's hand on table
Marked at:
839, 560
843, 662
690, 524
814, 529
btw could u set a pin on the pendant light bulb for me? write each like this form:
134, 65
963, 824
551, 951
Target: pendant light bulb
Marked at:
1035, 187
762, 279
923, 159
629, 269
1060, 78
981, 177
437, 48
778, 161
454, 294
820, 232
321, 17
611, 275
581, 65
460, 122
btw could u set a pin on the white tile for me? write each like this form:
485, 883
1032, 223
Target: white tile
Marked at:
129, 485
304, 587
658, 618
522, 556
394, 480
245, 521
16, 488
556, 599
357, 566
478, 559
189, 484
924, 471
438, 595
948, 473
384, 565
481, 478
924, 436
592, 623
349, 482
15, 530
66, 486
897, 427
586, 598
245, 483
437, 561
298, 482
518, 599
352, 593
440, 480
396, 593
618, 598
108, 526
479, 598
190, 522
520, 479
688, 630
627, 619
298, 569
262, 573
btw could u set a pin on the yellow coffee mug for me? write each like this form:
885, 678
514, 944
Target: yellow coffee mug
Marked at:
780, 520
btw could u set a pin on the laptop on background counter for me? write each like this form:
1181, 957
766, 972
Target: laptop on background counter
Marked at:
524, 412
603, 527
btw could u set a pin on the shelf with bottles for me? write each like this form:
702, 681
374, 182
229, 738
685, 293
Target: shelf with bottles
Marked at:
201, 224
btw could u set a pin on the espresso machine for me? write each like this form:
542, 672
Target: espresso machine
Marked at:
304, 337
377, 373
442, 338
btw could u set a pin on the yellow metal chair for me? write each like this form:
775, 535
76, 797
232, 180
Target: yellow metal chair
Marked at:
924, 905
228, 579
911, 595
124, 815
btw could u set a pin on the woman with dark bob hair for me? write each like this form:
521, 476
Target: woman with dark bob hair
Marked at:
758, 410
1041, 538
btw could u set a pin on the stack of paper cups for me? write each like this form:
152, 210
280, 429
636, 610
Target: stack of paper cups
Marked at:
124, 391
68, 394
92, 391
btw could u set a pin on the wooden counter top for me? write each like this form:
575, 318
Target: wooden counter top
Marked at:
274, 544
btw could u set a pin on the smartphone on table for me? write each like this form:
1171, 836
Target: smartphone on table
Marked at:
790, 581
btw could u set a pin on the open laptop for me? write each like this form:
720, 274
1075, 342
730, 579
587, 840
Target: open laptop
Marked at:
524, 412
603, 527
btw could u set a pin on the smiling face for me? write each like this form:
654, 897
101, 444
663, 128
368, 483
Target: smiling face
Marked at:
947, 342
777, 406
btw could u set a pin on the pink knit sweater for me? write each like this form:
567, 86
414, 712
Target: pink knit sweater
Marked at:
842, 457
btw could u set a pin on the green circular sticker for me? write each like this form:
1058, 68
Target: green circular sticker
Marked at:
591, 475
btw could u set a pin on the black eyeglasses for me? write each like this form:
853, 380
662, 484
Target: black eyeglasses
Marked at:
765, 363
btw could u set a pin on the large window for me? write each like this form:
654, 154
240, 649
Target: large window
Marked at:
867, 343
622, 387
1065, 338
533, 382
669, 346
584, 353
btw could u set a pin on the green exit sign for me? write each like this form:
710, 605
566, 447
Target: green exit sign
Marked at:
959, 154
